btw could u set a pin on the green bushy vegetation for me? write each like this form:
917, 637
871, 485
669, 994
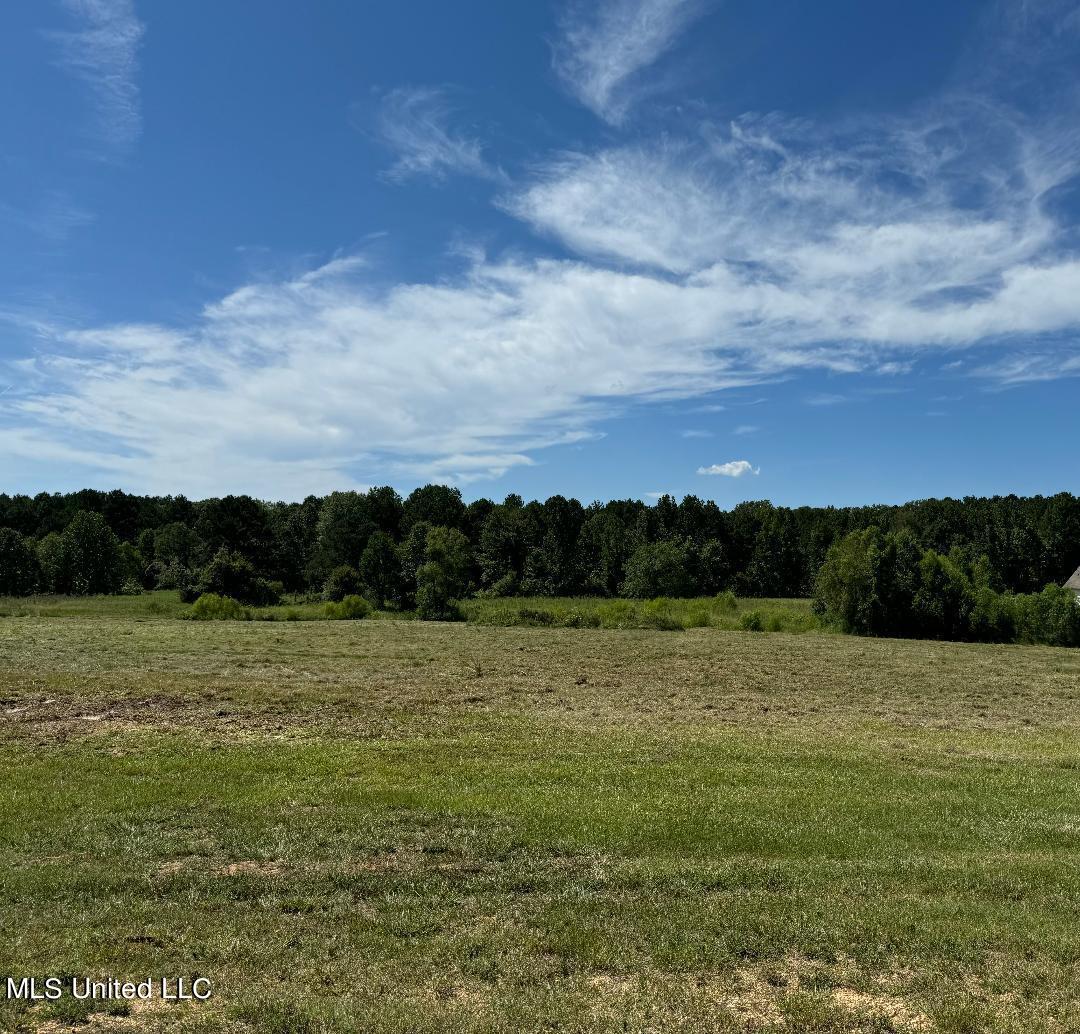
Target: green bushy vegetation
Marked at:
212, 607
665, 614
351, 608
883, 584
342, 581
980, 564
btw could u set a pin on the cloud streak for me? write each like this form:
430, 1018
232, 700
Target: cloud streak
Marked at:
734, 255
102, 52
415, 123
604, 47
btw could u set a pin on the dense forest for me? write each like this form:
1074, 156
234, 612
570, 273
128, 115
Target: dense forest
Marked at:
377, 543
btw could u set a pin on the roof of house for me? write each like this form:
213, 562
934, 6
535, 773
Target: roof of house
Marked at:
1074, 581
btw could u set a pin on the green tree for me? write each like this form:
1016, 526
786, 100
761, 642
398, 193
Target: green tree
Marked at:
233, 575
18, 564
846, 589
443, 577
437, 505
91, 556
52, 563
945, 601
380, 570
342, 581
344, 525
658, 569
175, 542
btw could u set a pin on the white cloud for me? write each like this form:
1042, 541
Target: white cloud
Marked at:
1030, 368
693, 433
732, 469
743, 429
740, 255
415, 122
604, 46
102, 52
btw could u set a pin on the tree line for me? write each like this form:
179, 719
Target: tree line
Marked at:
431, 547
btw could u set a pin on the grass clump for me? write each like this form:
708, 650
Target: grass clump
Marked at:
212, 607
351, 608
664, 613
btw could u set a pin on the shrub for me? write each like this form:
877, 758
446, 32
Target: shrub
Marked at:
658, 614
351, 608
535, 616
341, 582
582, 620
131, 588
726, 601
752, 622
212, 607
1051, 617
696, 617
230, 574
616, 614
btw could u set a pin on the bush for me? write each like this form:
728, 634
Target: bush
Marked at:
535, 616
230, 574
752, 622
351, 608
212, 607
658, 614
1051, 617
341, 582
726, 601
131, 588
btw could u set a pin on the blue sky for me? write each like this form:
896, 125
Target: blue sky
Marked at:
818, 253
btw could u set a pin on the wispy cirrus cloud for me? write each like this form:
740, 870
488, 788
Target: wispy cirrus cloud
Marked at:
416, 124
102, 51
603, 47
732, 469
1014, 370
741, 253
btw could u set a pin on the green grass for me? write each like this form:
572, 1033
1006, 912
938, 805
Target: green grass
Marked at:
663, 614
406, 826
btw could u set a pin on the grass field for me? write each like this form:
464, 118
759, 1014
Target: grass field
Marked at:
403, 826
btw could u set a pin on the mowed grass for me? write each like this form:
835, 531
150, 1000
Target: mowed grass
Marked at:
403, 826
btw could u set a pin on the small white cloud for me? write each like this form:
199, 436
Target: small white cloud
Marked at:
604, 46
895, 367
415, 123
732, 469
656, 495
696, 434
826, 400
747, 429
